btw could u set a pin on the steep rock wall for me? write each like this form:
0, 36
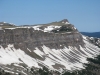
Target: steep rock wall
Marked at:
30, 38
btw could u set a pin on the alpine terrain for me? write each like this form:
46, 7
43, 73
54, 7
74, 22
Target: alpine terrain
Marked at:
56, 48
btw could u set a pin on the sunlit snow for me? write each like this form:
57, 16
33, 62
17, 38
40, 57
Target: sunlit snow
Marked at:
51, 57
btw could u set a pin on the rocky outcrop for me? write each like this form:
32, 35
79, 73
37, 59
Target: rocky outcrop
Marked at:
31, 38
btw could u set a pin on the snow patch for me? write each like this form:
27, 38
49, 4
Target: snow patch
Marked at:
29, 50
9, 56
50, 28
74, 28
84, 37
36, 27
67, 23
10, 28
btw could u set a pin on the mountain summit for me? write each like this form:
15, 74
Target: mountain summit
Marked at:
56, 46
64, 20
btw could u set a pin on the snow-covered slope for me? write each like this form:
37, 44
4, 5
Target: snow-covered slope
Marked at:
56, 47
69, 58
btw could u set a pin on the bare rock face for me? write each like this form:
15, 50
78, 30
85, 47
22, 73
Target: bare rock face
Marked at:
22, 37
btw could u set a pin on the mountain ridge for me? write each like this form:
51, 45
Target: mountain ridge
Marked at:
92, 34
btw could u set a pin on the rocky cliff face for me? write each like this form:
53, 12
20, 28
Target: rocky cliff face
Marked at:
57, 45
52, 36
27, 36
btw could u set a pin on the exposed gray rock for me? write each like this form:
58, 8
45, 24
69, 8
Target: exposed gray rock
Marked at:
29, 38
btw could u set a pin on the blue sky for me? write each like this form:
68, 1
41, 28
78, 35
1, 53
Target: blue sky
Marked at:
83, 14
